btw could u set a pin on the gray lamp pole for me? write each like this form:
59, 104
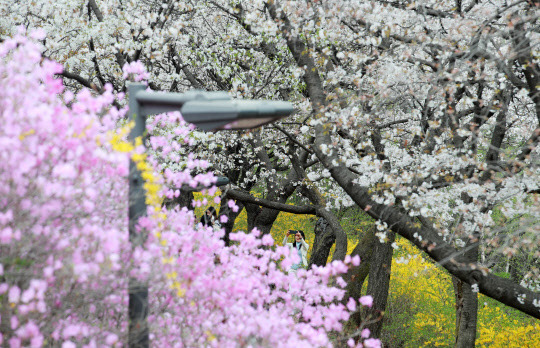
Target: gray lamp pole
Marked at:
207, 111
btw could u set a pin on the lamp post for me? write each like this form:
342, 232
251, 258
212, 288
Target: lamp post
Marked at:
207, 111
221, 181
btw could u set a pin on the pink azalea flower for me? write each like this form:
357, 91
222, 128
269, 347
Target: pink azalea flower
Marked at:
365, 333
366, 301
14, 294
372, 343
351, 304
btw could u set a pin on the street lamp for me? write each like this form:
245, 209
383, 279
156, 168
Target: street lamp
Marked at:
206, 110
220, 181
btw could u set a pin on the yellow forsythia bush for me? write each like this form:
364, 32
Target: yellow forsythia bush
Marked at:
421, 309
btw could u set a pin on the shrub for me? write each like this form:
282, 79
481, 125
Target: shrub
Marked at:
421, 309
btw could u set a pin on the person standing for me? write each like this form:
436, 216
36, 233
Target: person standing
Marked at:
298, 247
210, 218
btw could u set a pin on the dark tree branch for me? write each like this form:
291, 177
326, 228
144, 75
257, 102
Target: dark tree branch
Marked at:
422, 9
391, 123
499, 133
96, 65
291, 138
522, 45
299, 51
245, 197
529, 146
79, 79
376, 140
180, 66
269, 50
260, 152
94, 7
86, 83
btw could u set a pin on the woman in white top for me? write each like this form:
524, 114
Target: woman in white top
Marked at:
210, 218
299, 246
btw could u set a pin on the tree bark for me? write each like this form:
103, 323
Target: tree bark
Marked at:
324, 239
466, 306
265, 219
183, 200
246, 198
341, 237
333, 222
379, 281
224, 210
356, 275
252, 211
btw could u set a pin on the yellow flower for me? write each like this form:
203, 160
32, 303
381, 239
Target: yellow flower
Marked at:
210, 335
27, 133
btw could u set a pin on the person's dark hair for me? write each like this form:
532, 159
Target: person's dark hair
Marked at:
302, 234
205, 220
212, 210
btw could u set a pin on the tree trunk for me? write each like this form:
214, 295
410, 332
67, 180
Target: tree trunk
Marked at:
341, 237
183, 200
356, 275
379, 281
324, 239
231, 218
265, 220
466, 307
252, 211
